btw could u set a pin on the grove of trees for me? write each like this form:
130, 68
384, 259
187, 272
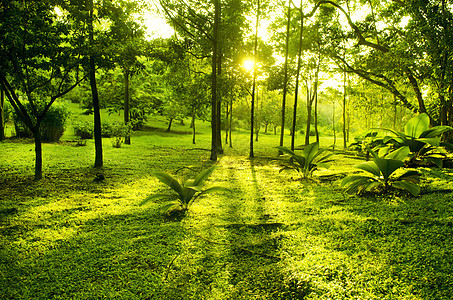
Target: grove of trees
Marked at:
319, 67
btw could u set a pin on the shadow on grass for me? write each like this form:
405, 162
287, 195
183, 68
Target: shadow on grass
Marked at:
124, 255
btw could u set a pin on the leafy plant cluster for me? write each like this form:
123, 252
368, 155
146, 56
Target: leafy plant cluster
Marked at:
418, 145
84, 129
183, 193
306, 163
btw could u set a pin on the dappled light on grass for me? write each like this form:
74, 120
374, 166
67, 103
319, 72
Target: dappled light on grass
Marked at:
79, 235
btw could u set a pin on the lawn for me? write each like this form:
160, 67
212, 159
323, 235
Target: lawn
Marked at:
73, 235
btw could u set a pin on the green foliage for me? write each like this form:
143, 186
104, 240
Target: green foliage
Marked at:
52, 125
115, 129
422, 141
185, 193
305, 164
365, 141
384, 175
83, 130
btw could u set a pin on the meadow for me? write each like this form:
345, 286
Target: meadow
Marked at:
78, 235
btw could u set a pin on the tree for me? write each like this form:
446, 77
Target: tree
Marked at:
127, 46
41, 59
2, 114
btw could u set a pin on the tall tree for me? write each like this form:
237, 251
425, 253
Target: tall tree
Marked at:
299, 66
40, 60
2, 114
285, 70
255, 57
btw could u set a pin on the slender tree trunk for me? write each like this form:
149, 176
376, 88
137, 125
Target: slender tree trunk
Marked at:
193, 127
333, 125
255, 56
299, 63
285, 82
227, 115
395, 112
344, 110
2, 114
127, 138
38, 151
169, 125
309, 109
316, 116
98, 161
219, 96
214, 122
231, 121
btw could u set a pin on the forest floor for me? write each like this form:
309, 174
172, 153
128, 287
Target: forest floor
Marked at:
74, 235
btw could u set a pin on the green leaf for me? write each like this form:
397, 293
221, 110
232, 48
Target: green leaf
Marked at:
369, 166
412, 188
286, 151
388, 166
201, 178
417, 125
412, 176
213, 190
433, 141
171, 182
435, 131
399, 154
310, 152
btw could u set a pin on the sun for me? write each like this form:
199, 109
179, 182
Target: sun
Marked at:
248, 64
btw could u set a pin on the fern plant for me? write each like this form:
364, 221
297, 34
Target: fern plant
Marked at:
183, 193
312, 158
382, 174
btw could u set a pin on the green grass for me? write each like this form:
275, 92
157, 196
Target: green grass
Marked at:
274, 237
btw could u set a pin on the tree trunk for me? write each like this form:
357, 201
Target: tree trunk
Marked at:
192, 125
215, 38
98, 161
285, 82
2, 114
299, 63
227, 115
231, 121
38, 151
309, 109
316, 117
333, 125
127, 138
169, 125
255, 56
344, 110
219, 94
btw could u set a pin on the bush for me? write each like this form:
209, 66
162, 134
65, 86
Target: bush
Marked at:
52, 126
115, 129
83, 130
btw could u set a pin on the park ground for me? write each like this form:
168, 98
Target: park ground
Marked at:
78, 235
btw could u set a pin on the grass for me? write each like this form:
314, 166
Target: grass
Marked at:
274, 237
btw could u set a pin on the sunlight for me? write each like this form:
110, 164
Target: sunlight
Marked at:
248, 64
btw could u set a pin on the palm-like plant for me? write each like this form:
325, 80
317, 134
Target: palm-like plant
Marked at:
312, 157
383, 174
185, 193
422, 141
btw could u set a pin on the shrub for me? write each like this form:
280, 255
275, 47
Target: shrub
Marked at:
185, 193
115, 129
422, 141
83, 130
384, 175
52, 125
306, 163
